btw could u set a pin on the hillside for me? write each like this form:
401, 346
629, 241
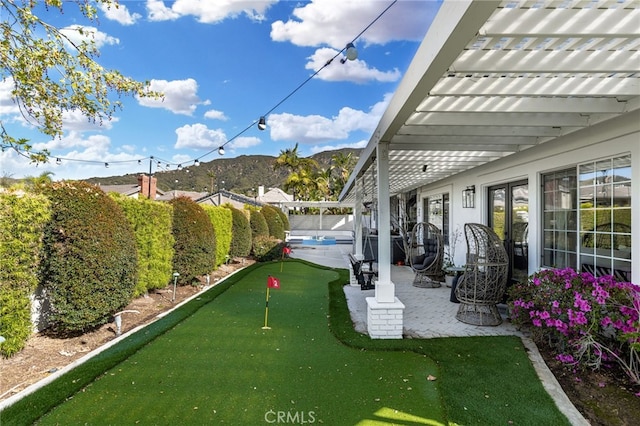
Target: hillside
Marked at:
242, 174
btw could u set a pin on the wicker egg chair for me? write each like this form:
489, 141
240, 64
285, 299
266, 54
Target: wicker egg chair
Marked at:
426, 255
483, 283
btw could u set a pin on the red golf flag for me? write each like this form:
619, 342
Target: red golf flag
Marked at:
273, 282
286, 250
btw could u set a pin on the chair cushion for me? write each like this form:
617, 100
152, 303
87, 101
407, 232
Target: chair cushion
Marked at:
428, 260
417, 260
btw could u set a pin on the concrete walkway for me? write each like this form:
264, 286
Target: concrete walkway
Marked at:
429, 313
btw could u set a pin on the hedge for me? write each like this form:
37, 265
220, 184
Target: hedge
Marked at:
195, 241
22, 219
89, 269
241, 233
258, 223
222, 222
152, 224
274, 221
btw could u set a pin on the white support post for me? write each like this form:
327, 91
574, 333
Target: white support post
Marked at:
384, 311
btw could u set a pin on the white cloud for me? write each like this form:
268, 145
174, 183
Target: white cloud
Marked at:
180, 96
244, 142
159, 12
118, 12
321, 148
7, 105
215, 115
74, 139
80, 157
355, 71
75, 120
199, 136
78, 33
315, 128
327, 22
209, 12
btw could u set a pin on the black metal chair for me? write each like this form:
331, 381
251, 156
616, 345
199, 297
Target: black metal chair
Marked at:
483, 283
427, 255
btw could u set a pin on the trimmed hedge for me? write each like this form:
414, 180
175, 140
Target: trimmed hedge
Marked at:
22, 219
285, 220
267, 248
274, 221
152, 224
241, 233
195, 240
222, 222
89, 269
258, 223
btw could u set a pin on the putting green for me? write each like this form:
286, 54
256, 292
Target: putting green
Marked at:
220, 366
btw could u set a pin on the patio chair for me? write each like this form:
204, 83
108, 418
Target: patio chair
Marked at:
483, 283
426, 255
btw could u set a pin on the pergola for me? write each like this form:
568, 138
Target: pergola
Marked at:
493, 78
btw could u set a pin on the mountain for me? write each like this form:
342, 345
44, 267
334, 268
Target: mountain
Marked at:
242, 174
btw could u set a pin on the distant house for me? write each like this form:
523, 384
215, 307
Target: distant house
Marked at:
170, 195
227, 197
140, 190
274, 196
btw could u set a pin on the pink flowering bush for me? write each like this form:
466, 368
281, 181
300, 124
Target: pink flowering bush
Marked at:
590, 321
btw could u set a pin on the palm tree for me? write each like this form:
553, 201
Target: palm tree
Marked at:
324, 183
343, 165
288, 159
44, 177
300, 179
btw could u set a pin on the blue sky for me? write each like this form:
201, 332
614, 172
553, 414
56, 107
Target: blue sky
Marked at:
222, 65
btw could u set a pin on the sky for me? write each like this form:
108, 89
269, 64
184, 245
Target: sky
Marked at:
222, 64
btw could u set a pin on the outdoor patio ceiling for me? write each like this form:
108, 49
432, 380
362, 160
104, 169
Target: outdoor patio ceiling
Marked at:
493, 78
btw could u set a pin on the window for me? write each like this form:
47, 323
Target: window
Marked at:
587, 218
605, 217
560, 219
436, 210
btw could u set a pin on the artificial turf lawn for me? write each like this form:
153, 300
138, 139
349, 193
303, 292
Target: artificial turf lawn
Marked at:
215, 364
220, 366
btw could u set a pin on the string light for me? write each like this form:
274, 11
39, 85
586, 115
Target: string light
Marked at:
350, 54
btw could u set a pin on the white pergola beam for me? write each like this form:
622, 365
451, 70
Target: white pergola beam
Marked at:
521, 104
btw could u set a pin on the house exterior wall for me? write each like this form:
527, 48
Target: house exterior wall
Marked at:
617, 136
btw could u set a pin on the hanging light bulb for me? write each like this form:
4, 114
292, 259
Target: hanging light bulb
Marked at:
196, 163
221, 150
58, 161
106, 165
262, 123
351, 52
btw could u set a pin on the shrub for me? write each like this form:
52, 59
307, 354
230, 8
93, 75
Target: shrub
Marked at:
258, 224
195, 240
222, 222
89, 268
588, 320
240, 235
266, 248
274, 221
152, 224
285, 220
22, 219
